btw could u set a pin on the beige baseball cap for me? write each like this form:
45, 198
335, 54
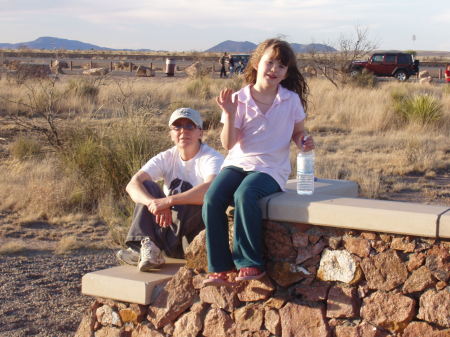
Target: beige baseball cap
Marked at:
188, 113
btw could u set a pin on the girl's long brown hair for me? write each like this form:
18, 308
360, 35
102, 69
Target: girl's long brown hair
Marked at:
283, 52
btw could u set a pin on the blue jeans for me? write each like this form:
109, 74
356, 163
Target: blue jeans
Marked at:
244, 189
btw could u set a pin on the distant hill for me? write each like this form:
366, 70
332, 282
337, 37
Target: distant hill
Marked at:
233, 46
248, 47
48, 42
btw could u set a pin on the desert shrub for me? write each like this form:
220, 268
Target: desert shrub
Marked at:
25, 147
364, 79
200, 88
420, 108
105, 162
84, 88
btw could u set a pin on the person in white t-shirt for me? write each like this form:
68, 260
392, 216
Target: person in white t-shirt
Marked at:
164, 220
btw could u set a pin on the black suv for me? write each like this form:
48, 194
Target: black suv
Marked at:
398, 65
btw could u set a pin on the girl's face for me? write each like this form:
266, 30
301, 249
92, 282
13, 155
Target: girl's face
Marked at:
270, 71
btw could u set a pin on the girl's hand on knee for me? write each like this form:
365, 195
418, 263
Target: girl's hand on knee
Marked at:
225, 101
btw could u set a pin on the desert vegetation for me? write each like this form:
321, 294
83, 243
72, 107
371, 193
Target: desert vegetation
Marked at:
69, 146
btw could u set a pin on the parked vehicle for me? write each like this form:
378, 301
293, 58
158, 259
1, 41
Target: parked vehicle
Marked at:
393, 64
240, 62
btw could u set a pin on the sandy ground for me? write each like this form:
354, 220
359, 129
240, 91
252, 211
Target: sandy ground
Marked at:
40, 290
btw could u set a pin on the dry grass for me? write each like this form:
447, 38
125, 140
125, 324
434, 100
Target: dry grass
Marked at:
12, 247
358, 134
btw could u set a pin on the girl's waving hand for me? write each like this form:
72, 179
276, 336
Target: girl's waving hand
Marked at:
225, 101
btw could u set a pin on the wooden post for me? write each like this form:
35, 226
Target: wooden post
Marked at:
71, 65
51, 63
151, 65
440, 73
90, 64
110, 66
131, 66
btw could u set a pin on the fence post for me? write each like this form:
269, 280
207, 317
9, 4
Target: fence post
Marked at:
51, 63
90, 64
110, 66
440, 73
151, 65
71, 65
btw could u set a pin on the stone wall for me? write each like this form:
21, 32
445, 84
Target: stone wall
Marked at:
321, 282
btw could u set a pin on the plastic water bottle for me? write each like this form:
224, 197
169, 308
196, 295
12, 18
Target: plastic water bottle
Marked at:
305, 173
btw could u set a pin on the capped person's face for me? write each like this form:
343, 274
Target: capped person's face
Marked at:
184, 132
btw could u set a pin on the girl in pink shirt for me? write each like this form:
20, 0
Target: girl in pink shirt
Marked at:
259, 122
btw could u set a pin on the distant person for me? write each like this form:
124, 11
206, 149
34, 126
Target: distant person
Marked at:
259, 123
231, 65
223, 61
447, 73
162, 221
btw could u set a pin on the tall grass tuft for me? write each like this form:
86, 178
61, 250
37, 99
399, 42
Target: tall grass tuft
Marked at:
422, 109
200, 88
23, 148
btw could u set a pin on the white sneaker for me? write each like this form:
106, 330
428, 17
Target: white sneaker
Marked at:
128, 256
151, 256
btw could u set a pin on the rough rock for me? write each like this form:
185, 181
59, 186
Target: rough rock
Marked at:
195, 254
415, 261
143, 71
177, 296
438, 261
96, 71
303, 254
196, 69
301, 320
337, 265
404, 244
127, 315
419, 280
249, 317
188, 325
108, 331
282, 274
435, 307
357, 246
368, 330
223, 297
300, 240
416, 329
275, 302
217, 324
346, 331
388, 310
384, 271
272, 321
256, 290
107, 316
278, 243
145, 330
313, 293
342, 302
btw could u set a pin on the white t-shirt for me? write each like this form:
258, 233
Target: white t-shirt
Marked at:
264, 138
180, 175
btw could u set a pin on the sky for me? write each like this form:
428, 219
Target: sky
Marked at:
196, 25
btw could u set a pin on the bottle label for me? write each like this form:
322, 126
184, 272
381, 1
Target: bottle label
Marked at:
305, 166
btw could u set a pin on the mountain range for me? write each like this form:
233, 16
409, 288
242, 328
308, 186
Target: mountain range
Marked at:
48, 42
247, 47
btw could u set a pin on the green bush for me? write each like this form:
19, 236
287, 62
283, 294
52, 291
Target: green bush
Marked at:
200, 88
24, 148
85, 89
421, 108
104, 162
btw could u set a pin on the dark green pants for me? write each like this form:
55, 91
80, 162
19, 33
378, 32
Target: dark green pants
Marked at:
243, 189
